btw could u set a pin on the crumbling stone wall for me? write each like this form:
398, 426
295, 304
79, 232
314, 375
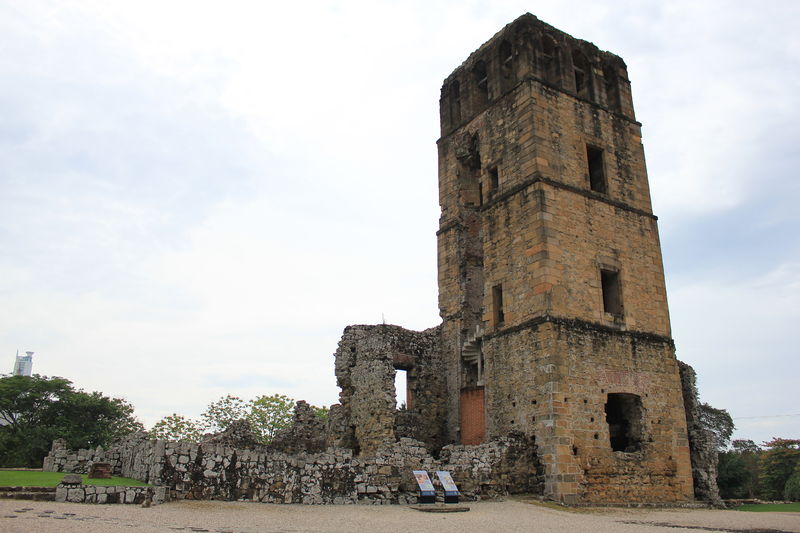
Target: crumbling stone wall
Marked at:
366, 362
334, 476
702, 444
306, 434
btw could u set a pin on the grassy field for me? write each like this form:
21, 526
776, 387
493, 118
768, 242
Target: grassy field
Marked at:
771, 507
32, 478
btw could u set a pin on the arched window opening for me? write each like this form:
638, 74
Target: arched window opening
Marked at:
550, 62
581, 68
611, 82
481, 82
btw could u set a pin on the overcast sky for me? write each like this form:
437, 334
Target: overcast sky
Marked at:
197, 197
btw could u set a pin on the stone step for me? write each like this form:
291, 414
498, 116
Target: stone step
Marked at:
40, 494
27, 489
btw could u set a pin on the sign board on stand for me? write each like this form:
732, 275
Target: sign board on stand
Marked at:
449, 486
427, 494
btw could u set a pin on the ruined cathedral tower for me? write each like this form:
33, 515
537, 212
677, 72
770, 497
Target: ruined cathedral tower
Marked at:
551, 284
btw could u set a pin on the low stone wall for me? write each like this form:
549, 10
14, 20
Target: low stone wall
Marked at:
98, 494
335, 476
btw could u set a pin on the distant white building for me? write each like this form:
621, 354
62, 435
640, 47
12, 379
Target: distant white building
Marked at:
24, 364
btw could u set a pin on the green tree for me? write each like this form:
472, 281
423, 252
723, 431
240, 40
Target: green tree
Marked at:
778, 463
177, 427
732, 475
36, 410
718, 422
219, 414
321, 412
791, 491
268, 414
738, 470
750, 454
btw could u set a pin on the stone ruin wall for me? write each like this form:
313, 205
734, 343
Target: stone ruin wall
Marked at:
366, 362
364, 453
310, 462
334, 476
702, 444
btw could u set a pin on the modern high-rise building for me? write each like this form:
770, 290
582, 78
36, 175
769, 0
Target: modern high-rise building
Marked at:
23, 364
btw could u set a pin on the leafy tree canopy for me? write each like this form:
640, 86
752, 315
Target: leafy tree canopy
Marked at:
778, 464
36, 410
266, 415
177, 427
718, 422
745, 446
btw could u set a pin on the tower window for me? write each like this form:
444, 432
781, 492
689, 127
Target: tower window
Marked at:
549, 60
581, 68
597, 175
497, 305
625, 417
612, 296
494, 178
481, 81
506, 59
611, 82
455, 103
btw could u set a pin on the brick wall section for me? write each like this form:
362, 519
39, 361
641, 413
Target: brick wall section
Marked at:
473, 418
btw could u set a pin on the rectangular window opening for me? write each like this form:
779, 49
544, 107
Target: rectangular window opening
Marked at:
597, 175
497, 304
402, 392
612, 295
625, 418
494, 178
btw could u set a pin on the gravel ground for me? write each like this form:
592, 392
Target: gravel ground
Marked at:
234, 517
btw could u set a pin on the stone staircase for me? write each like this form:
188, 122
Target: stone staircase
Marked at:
41, 494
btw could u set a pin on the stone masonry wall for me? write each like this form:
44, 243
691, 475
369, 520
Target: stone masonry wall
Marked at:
559, 393
366, 361
550, 270
335, 476
702, 444
112, 494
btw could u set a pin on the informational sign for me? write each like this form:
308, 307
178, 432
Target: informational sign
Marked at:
424, 481
447, 482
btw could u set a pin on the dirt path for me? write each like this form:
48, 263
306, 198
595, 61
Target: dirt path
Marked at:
234, 517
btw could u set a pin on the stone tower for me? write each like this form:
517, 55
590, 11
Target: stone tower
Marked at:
551, 284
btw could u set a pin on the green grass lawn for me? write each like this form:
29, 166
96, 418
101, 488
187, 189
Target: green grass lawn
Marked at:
770, 507
32, 478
